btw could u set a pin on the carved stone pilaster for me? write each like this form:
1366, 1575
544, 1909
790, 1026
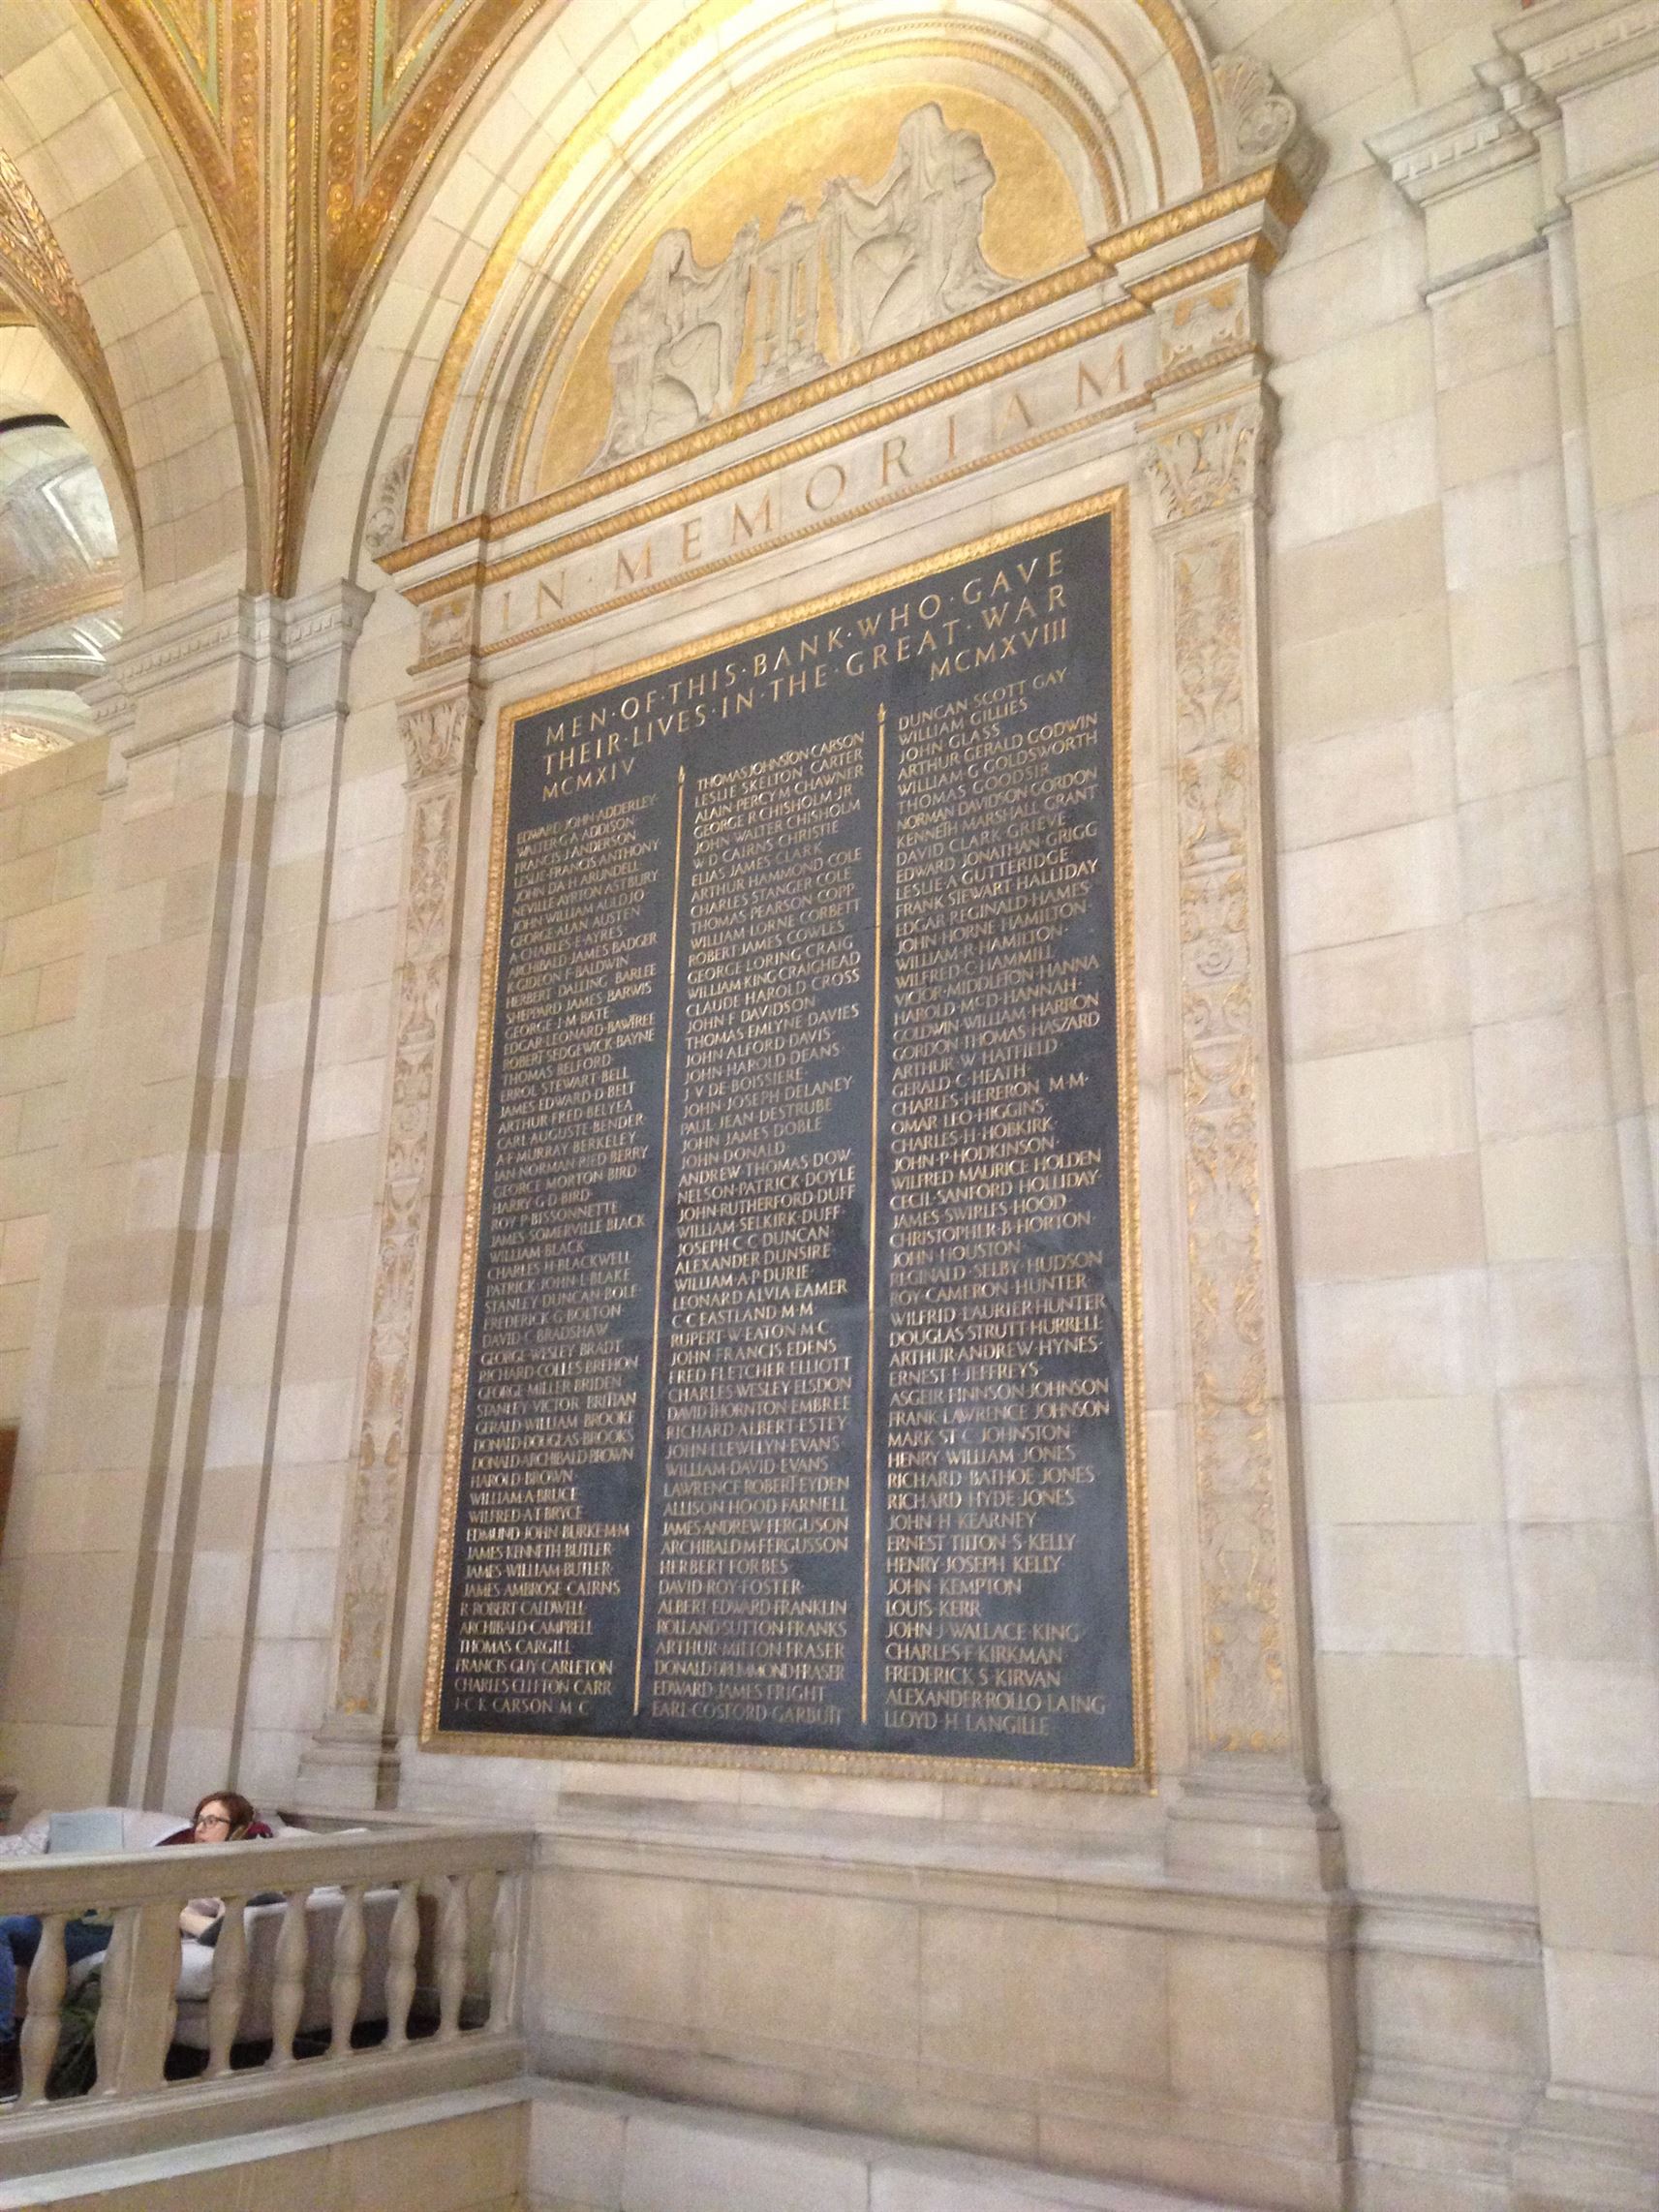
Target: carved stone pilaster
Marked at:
350, 1759
1206, 446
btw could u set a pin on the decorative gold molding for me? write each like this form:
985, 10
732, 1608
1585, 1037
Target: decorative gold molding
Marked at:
732, 479
218, 140
1272, 188
301, 215
1280, 194
852, 377
1139, 1777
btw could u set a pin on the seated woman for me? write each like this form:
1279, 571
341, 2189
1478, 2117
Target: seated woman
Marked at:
225, 1816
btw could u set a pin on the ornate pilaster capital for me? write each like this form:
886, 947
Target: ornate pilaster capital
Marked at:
438, 733
1204, 463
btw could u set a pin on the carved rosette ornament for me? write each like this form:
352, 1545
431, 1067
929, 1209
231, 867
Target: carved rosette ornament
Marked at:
1205, 472
438, 736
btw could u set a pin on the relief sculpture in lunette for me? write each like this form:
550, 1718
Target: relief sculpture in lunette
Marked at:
895, 257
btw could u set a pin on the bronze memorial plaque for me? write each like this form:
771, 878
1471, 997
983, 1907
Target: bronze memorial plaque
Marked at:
797, 1401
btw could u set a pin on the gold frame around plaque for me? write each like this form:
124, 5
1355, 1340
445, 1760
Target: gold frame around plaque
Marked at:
893, 1765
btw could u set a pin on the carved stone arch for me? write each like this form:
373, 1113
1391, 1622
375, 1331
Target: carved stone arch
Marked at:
688, 153
136, 235
1135, 110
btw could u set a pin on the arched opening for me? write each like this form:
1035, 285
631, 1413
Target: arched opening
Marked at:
60, 585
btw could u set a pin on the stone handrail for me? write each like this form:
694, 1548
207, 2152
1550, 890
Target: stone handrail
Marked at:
461, 1956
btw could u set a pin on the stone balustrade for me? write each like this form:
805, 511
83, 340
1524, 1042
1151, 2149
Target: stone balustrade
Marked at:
350, 1970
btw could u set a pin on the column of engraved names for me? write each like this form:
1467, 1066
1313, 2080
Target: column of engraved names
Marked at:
997, 1262
752, 1614
557, 1385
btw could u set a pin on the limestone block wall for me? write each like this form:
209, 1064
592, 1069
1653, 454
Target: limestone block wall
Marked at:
1461, 616
50, 812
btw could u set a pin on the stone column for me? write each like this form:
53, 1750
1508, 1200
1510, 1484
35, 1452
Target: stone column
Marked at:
150, 1183
1249, 1803
352, 1760
205, 1683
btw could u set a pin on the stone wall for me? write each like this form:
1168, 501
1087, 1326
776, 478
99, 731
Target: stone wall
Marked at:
1457, 965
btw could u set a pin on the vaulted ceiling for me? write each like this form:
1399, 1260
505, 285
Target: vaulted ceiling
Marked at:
303, 129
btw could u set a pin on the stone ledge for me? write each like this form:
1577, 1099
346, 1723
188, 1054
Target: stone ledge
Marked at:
599, 2150
152, 2172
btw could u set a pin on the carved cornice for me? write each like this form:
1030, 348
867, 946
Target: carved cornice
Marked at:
182, 647
1581, 43
266, 633
34, 605
1466, 139
325, 621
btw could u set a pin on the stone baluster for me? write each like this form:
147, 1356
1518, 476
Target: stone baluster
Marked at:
452, 1955
132, 2049
110, 2032
351, 1760
288, 1981
346, 1986
229, 1985
49, 1978
402, 1940
504, 1954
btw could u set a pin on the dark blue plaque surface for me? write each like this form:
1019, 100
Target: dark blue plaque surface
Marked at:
795, 1411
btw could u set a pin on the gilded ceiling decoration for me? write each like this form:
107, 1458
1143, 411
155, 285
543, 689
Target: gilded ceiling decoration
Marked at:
304, 126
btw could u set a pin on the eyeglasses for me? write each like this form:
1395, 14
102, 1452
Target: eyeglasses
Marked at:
213, 1820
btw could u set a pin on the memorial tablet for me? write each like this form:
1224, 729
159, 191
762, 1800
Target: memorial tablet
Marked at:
799, 1404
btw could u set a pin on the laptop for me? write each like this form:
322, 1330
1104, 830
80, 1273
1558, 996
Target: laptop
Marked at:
98, 1829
